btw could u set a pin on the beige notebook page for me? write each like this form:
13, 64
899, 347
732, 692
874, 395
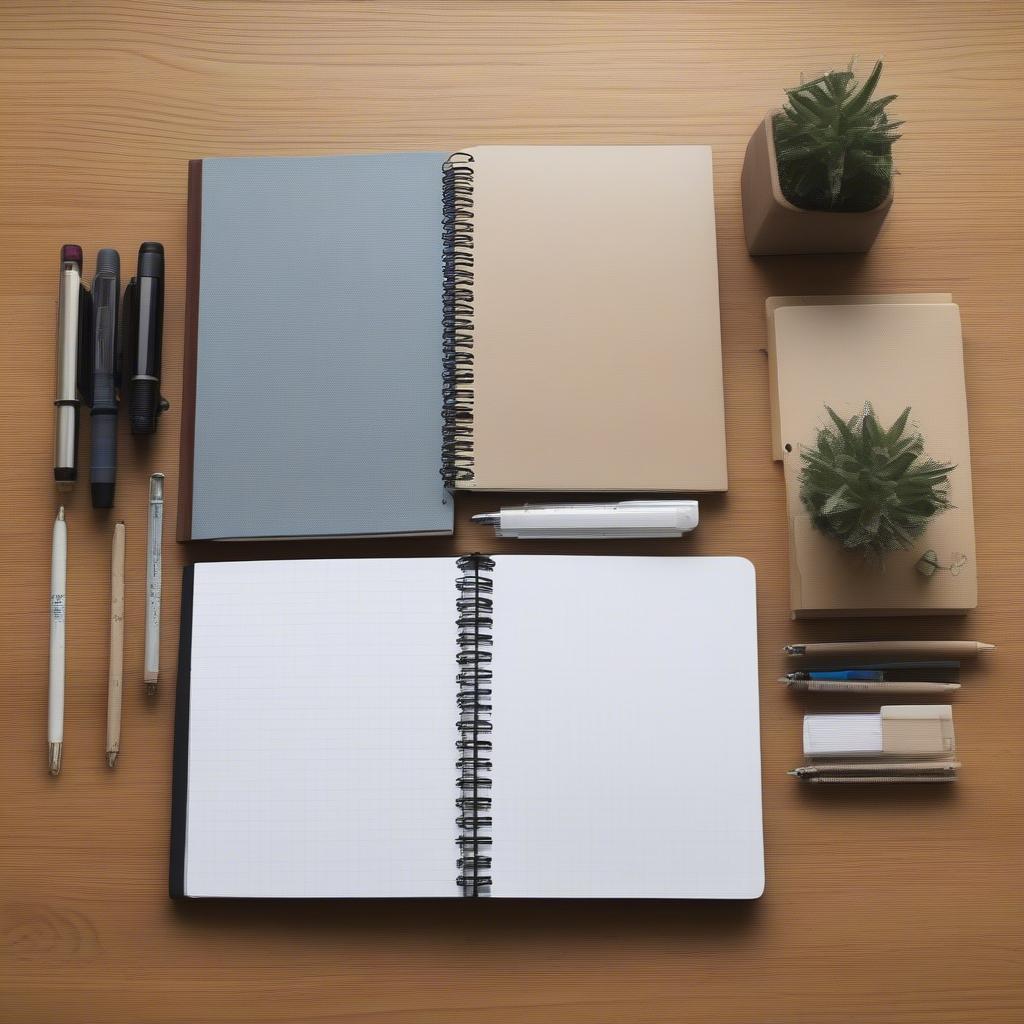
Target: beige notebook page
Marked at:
778, 301
893, 355
597, 346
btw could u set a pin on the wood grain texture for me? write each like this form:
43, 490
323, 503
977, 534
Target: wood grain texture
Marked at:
898, 906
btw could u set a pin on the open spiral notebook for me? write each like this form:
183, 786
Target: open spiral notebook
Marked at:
365, 334
516, 726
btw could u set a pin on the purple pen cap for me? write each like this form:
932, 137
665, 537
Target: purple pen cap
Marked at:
71, 254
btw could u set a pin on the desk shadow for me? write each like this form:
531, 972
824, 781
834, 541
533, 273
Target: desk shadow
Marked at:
479, 919
826, 274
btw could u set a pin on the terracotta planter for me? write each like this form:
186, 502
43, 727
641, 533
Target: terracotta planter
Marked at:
774, 226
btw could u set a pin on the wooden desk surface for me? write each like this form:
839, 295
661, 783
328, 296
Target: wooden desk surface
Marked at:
889, 905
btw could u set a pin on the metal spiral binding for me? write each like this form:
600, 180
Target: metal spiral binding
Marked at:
457, 319
475, 619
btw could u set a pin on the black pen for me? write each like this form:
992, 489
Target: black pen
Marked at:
144, 328
106, 294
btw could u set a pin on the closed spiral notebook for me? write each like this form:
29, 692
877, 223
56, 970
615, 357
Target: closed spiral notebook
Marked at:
515, 726
365, 334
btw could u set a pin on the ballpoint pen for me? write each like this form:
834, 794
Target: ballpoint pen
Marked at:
613, 520
907, 648
868, 686
143, 338
851, 779
927, 671
106, 294
154, 557
876, 768
945, 665
875, 674
115, 678
878, 772
72, 306
58, 602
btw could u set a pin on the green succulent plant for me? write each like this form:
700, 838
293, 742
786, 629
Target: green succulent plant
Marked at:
872, 489
833, 143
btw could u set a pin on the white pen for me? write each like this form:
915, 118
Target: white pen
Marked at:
58, 601
613, 520
154, 569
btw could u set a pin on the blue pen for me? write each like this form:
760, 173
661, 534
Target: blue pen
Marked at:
862, 674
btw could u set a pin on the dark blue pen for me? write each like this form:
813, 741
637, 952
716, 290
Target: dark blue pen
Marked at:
864, 675
106, 293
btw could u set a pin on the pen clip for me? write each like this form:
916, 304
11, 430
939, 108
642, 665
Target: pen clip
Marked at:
125, 333
84, 383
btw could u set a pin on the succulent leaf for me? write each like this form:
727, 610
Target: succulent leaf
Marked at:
833, 143
871, 487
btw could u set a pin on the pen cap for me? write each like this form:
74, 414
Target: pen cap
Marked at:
108, 261
919, 730
71, 254
151, 259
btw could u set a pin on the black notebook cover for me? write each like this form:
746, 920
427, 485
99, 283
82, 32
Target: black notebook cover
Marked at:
179, 776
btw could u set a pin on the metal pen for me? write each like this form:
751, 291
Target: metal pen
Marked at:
154, 571
852, 779
858, 768
71, 308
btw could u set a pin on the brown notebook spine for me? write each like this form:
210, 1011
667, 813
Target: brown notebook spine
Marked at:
193, 237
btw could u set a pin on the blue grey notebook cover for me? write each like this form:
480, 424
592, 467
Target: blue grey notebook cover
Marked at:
315, 292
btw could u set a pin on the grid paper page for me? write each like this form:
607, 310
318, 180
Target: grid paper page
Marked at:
321, 738
626, 734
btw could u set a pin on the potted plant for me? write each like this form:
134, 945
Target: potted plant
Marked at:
817, 176
870, 488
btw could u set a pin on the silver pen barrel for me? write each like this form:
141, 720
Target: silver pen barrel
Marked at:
154, 574
69, 312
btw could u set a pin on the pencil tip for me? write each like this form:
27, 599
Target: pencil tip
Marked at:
53, 758
150, 687
111, 758
60, 513
986, 647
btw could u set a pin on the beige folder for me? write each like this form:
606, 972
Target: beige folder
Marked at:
596, 342
893, 351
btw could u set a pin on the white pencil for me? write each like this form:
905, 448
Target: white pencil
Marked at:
58, 602
115, 681
154, 555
